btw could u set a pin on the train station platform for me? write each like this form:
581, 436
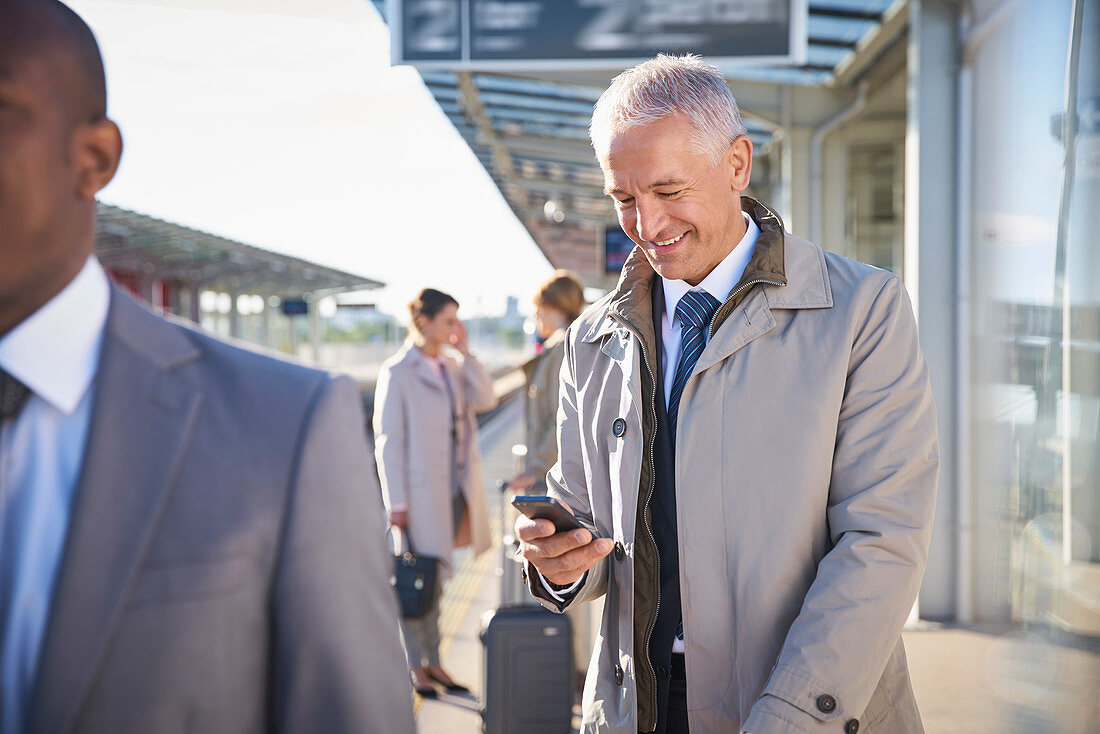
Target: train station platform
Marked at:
978, 680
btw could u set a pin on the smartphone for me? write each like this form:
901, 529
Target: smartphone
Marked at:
541, 507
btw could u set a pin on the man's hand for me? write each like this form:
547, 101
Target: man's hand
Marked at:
561, 558
399, 518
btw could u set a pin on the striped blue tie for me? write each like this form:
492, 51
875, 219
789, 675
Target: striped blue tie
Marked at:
695, 310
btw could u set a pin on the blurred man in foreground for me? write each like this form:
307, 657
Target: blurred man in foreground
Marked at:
190, 535
747, 423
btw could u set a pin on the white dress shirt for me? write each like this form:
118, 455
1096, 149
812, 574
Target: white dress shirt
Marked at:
718, 283
55, 353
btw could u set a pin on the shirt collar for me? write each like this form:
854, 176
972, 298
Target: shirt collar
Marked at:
720, 281
55, 351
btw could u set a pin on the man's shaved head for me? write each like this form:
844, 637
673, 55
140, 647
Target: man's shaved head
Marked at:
57, 151
51, 29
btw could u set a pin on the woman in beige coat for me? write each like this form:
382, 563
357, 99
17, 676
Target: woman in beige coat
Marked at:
426, 446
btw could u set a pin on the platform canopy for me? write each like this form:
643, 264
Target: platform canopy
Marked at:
529, 128
153, 249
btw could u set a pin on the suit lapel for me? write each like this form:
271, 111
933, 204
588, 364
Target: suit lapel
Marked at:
142, 422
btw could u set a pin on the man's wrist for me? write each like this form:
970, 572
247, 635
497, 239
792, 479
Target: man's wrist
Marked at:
563, 594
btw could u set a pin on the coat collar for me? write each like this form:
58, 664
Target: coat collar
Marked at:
417, 362
143, 417
791, 270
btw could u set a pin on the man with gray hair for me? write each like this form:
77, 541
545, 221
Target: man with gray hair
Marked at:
746, 423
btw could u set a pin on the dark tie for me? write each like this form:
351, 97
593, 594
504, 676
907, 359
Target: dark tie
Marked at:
13, 395
695, 310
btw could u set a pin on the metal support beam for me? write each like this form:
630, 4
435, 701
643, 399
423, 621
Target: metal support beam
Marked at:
797, 147
930, 261
315, 326
234, 316
874, 45
817, 142
193, 311
471, 104
267, 327
292, 327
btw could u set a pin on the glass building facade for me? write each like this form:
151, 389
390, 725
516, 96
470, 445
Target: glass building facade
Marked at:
1035, 280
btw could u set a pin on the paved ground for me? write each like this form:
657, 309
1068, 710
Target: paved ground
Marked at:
998, 680
967, 681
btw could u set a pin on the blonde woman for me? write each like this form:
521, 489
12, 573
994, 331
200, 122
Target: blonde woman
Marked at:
558, 301
428, 460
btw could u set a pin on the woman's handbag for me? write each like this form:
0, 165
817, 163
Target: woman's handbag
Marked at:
415, 578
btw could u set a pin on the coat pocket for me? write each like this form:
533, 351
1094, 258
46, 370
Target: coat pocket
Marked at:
164, 583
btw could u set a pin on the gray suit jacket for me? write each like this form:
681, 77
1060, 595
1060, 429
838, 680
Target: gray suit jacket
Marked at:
225, 568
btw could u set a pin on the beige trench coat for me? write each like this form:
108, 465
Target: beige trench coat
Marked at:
805, 482
412, 429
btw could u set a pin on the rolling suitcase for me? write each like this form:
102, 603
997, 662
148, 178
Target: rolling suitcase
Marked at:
528, 667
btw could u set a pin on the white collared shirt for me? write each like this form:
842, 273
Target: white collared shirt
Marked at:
718, 283
55, 353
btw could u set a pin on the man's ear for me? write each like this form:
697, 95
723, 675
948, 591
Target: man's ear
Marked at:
97, 150
739, 158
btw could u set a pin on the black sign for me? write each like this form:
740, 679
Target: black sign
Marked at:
616, 249
294, 307
572, 33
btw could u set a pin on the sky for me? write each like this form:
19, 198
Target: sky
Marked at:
280, 123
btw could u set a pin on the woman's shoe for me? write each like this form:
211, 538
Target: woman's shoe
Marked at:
422, 683
451, 686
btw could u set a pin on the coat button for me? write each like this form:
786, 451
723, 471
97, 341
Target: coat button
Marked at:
826, 704
851, 727
620, 552
618, 675
618, 427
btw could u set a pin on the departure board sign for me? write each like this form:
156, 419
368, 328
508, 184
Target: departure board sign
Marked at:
616, 249
561, 34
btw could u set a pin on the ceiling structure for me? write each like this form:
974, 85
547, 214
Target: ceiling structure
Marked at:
529, 129
153, 249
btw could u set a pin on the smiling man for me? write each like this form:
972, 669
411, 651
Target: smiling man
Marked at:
747, 422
